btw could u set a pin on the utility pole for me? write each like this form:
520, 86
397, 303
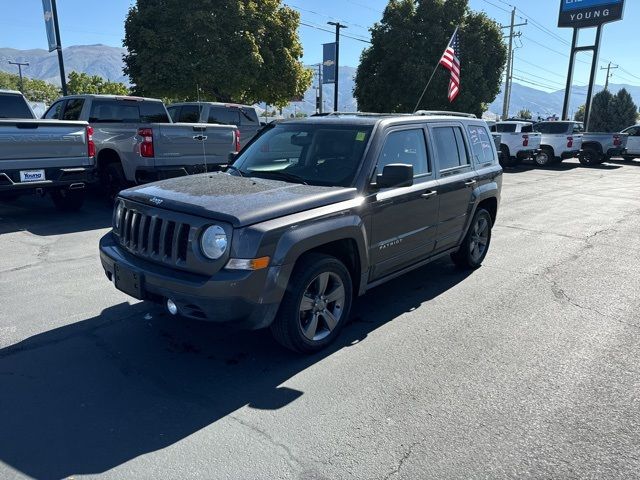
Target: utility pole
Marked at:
63, 77
507, 85
609, 75
20, 65
320, 88
338, 26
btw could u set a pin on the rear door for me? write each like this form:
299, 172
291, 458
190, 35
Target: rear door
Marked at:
456, 181
403, 221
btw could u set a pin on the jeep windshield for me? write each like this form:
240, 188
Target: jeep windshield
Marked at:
313, 154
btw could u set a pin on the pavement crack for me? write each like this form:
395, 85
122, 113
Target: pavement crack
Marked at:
396, 470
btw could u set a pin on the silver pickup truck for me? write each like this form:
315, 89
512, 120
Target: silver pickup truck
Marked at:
136, 141
599, 147
43, 156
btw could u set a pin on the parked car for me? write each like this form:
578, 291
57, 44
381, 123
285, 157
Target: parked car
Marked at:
633, 142
560, 140
137, 143
598, 147
42, 156
244, 117
518, 141
313, 213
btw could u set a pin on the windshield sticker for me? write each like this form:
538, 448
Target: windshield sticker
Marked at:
361, 136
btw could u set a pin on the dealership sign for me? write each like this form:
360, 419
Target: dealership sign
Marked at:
589, 13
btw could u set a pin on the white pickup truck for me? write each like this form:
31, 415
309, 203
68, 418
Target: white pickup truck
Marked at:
633, 143
518, 142
560, 140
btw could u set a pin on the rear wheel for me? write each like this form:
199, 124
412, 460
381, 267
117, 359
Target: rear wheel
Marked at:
476, 243
505, 157
545, 157
315, 306
113, 180
67, 200
590, 157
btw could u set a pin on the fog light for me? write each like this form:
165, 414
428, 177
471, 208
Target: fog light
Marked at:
172, 307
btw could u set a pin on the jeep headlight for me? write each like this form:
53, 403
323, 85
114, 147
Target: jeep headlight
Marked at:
213, 242
117, 215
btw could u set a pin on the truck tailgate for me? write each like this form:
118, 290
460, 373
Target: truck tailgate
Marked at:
43, 143
193, 144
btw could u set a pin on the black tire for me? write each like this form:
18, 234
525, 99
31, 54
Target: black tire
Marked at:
545, 157
505, 157
113, 180
628, 158
467, 257
293, 315
67, 200
590, 157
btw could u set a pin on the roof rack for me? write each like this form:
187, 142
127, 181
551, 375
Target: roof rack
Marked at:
355, 114
444, 113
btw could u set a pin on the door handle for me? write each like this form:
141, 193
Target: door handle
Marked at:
429, 194
470, 183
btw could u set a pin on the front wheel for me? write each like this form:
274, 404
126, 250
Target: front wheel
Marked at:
315, 306
67, 200
590, 157
476, 243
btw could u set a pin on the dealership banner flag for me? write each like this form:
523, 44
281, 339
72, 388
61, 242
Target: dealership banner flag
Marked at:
48, 23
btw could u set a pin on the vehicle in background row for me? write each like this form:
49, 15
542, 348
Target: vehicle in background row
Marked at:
633, 142
242, 116
42, 156
598, 147
311, 214
137, 143
518, 141
560, 141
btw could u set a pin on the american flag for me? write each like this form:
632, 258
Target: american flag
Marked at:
451, 61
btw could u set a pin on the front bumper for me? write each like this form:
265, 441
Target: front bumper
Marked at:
55, 178
245, 299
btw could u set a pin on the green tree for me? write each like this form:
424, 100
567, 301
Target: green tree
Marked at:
579, 115
406, 46
81, 83
233, 50
525, 114
622, 111
600, 120
34, 90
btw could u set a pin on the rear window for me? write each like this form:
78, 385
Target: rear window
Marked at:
14, 106
553, 128
224, 115
249, 116
188, 114
114, 111
505, 128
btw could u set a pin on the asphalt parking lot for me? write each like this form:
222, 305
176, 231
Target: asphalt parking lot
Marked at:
527, 368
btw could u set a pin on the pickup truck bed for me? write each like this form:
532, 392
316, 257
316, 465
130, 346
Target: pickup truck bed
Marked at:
598, 147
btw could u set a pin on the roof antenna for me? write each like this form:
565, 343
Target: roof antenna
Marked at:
203, 138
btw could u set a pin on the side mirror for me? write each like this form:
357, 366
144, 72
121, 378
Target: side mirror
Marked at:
232, 157
395, 175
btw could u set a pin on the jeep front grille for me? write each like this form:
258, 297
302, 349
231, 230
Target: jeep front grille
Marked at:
153, 237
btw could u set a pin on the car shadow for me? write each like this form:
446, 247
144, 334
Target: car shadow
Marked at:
87, 397
38, 216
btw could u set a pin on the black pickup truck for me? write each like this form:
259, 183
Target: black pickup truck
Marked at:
311, 213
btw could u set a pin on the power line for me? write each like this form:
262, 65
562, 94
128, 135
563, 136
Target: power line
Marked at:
317, 27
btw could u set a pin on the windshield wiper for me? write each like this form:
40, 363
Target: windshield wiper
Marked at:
231, 167
282, 175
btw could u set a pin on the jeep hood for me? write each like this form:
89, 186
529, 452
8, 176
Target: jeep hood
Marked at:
239, 201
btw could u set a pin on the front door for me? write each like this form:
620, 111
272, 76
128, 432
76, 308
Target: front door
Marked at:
457, 179
403, 219
633, 142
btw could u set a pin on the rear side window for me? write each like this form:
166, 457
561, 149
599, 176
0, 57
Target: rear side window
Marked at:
153, 112
506, 128
450, 149
55, 111
481, 141
14, 106
73, 109
114, 111
553, 128
405, 146
189, 114
224, 116
527, 129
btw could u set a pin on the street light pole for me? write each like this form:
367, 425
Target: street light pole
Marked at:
20, 65
63, 77
338, 26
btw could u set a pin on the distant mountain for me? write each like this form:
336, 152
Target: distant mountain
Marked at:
92, 59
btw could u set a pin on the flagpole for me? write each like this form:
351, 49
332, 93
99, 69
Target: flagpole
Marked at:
432, 75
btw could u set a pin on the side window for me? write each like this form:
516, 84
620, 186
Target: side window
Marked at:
578, 128
480, 144
527, 129
224, 116
450, 148
55, 111
189, 114
405, 146
173, 113
73, 109
153, 112
114, 111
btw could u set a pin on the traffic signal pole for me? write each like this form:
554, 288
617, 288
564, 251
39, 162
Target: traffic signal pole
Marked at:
338, 26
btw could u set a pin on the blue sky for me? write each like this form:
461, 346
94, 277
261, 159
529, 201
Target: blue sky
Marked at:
542, 58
